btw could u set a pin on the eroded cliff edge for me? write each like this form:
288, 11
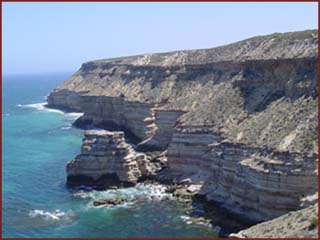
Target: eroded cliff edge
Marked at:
241, 119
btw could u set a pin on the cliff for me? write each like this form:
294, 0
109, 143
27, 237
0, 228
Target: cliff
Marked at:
240, 119
262, 91
107, 160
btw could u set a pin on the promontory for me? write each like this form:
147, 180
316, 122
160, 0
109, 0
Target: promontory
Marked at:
239, 121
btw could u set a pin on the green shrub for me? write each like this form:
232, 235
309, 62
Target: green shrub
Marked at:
313, 223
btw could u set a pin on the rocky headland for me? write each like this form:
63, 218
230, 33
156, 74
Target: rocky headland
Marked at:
237, 125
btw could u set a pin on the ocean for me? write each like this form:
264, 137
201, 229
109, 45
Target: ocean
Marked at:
37, 143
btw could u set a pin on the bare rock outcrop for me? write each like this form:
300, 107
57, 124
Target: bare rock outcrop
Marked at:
108, 201
298, 224
187, 153
160, 128
107, 160
114, 114
258, 183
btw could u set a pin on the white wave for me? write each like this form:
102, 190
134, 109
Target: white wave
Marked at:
53, 110
189, 220
133, 195
83, 195
38, 106
73, 115
56, 215
5, 114
66, 128
42, 107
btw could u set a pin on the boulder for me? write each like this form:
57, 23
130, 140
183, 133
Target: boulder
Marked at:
108, 201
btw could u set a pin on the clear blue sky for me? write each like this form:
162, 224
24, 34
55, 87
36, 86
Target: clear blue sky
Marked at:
53, 37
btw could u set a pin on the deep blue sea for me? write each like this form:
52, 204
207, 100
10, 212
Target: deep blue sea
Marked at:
37, 143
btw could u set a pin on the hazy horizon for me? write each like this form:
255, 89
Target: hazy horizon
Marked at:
41, 38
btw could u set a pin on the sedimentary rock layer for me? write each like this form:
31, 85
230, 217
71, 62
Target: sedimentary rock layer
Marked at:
187, 152
259, 183
260, 91
106, 160
160, 128
264, 185
241, 119
114, 113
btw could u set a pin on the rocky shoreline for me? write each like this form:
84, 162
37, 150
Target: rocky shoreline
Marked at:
234, 126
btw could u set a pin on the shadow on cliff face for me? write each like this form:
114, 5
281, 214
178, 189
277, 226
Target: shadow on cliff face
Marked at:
218, 216
262, 82
102, 183
86, 123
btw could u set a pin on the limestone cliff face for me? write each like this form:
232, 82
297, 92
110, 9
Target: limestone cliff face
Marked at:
188, 153
262, 91
107, 160
242, 119
114, 113
160, 128
259, 183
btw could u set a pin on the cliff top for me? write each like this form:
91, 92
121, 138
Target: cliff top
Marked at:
298, 44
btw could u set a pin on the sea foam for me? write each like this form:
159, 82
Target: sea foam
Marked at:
42, 107
56, 215
139, 193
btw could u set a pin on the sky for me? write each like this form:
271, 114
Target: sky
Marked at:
58, 37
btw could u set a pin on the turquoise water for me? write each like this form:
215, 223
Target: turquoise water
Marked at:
37, 143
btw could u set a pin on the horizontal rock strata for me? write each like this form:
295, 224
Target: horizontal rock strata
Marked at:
187, 153
259, 183
114, 113
241, 119
107, 160
265, 185
257, 92
160, 129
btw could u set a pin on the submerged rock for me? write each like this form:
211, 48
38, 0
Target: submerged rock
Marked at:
108, 201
